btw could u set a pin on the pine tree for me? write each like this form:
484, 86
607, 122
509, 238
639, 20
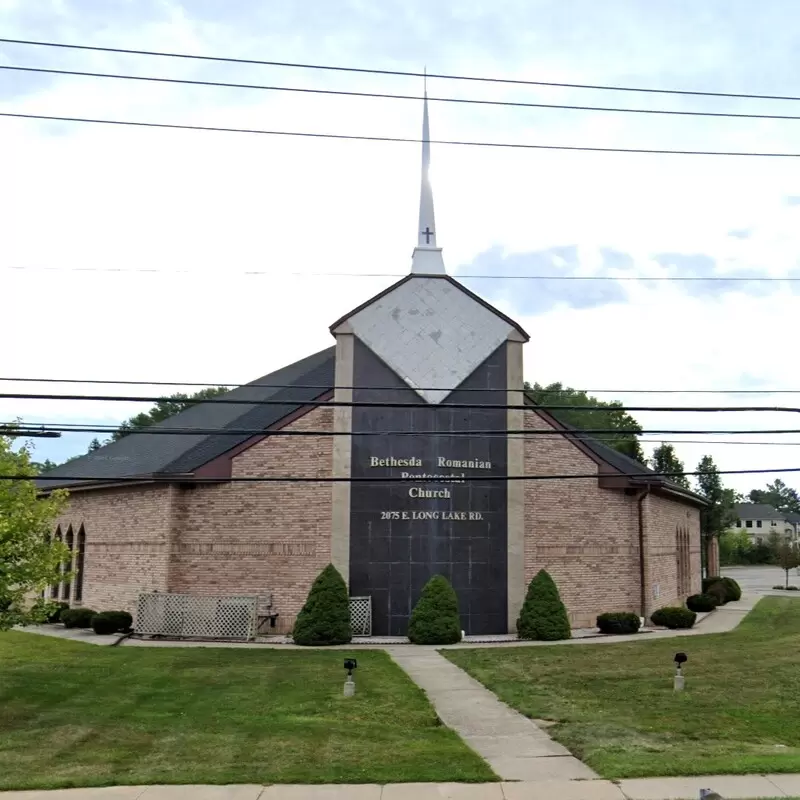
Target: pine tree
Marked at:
435, 618
543, 615
325, 617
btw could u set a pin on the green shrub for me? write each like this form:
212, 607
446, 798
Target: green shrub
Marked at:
435, 618
708, 582
779, 586
792, 588
5, 604
673, 617
719, 591
619, 622
107, 622
55, 614
77, 617
732, 590
702, 602
325, 617
543, 615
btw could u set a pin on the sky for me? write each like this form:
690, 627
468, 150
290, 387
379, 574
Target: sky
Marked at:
165, 255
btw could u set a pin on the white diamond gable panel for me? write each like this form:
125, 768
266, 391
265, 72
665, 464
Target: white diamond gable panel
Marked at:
431, 333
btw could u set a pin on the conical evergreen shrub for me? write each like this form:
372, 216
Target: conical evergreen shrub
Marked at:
435, 619
325, 617
543, 615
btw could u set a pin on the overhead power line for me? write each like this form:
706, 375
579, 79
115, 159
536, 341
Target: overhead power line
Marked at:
459, 277
23, 430
322, 388
394, 404
398, 73
400, 139
389, 96
389, 479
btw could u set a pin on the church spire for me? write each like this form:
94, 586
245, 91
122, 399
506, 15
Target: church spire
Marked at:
427, 258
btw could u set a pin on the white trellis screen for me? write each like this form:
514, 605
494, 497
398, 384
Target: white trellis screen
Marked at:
191, 616
361, 616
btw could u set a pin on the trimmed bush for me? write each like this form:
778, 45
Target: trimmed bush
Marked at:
77, 617
702, 602
781, 587
107, 622
55, 614
325, 617
543, 615
719, 592
708, 582
435, 618
792, 588
734, 591
673, 617
619, 622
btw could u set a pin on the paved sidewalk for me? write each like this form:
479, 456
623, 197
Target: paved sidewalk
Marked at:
516, 749
744, 787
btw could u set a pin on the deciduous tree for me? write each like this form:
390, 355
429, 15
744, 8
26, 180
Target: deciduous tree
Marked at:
788, 559
29, 560
665, 460
580, 414
720, 514
778, 495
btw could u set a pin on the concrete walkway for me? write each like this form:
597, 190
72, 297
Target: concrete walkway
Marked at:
516, 749
744, 787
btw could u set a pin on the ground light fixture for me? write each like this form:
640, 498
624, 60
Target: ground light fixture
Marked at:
678, 682
349, 685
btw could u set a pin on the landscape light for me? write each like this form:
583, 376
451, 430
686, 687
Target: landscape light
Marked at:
349, 685
678, 682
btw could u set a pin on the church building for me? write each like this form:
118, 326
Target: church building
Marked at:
412, 450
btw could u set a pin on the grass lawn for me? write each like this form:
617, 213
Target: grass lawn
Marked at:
73, 714
615, 709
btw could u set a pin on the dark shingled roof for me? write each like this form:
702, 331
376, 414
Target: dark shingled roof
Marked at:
146, 454
764, 511
143, 454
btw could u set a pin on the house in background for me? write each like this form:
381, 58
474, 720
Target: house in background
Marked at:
761, 520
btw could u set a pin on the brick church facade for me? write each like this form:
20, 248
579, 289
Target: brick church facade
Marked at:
437, 459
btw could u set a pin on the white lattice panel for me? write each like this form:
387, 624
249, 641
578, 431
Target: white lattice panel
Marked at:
361, 616
191, 616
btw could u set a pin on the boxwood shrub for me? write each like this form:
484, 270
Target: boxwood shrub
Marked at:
107, 622
734, 591
702, 602
710, 581
719, 591
55, 614
77, 617
619, 622
673, 617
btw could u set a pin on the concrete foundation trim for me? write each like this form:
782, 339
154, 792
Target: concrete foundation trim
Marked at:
342, 455
515, 489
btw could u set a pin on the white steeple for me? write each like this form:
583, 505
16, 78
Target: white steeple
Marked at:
427, 257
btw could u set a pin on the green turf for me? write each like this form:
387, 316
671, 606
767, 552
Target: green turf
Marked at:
73, 714
614, 706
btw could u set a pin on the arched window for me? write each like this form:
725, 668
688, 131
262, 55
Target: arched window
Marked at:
67, 588
79, 565
57, 585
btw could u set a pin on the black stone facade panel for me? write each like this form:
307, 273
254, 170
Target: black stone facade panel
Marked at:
394, 548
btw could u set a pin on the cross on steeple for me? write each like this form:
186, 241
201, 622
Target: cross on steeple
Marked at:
427, 233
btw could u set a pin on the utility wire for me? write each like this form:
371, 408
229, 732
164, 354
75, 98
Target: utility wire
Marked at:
387, 96
16, 429
179, 478
321, 387
196, 274
397, 404
402, 139
399, 73
54, 429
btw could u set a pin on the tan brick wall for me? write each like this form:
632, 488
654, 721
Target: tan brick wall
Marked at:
127, 540
586, 537
663, 517
262, 538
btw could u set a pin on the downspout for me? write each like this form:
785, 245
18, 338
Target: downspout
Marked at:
642, 578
